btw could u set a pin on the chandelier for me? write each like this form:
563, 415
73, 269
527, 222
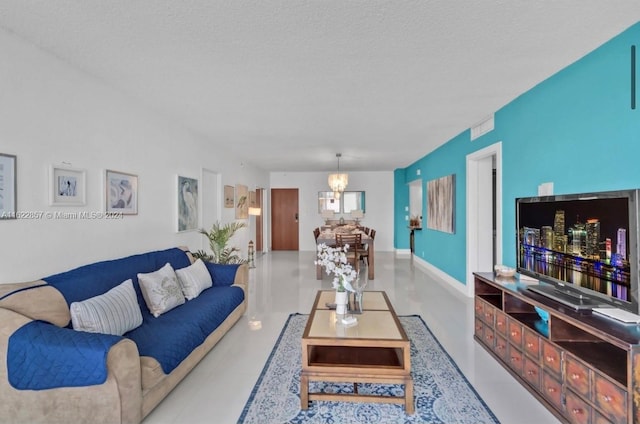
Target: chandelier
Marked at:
337, 181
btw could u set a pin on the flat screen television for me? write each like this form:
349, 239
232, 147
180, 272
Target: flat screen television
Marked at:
583, 246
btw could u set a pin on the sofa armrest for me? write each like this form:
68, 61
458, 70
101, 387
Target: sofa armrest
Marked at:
118, 399
242, 276
43, 356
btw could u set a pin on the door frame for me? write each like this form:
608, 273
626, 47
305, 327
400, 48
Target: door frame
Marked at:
217, 177
480, 209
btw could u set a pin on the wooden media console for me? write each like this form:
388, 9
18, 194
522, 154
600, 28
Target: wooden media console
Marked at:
583, 367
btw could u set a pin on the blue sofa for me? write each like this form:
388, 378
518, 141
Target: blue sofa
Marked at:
50, 372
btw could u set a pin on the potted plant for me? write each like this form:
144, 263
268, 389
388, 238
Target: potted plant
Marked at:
219, 236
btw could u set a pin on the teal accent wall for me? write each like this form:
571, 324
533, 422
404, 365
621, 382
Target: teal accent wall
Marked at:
575, 129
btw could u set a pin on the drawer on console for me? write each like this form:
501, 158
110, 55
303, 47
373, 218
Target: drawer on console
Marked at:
577, 376
479, 307
515, 332
478, 328
501, 348
551, 389
551, 358
488, 336
531, 343
501, 323
576, 409
488, 313
610, 399
531, 372
515, 359
598, 418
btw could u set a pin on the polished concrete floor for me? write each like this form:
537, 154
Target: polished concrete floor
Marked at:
283, 283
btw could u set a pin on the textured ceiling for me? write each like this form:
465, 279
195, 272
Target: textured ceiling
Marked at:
288, 84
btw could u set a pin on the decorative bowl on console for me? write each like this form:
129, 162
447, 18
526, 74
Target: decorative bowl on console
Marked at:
504, 271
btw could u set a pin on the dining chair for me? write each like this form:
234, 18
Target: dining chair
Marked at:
355, 247
364, 252
316, 234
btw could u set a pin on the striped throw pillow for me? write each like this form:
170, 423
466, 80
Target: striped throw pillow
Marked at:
114, 312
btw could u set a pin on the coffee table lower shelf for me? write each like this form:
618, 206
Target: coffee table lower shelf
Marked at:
306, 396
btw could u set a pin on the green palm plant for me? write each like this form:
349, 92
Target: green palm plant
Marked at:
219, 237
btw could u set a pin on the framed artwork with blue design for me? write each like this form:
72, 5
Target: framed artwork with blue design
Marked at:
121, 192
67, 186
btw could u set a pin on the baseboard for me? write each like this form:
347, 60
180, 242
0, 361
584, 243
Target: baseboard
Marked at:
447, 280
403, 252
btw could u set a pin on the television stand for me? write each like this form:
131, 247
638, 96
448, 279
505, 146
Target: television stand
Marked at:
584, 367
576, 301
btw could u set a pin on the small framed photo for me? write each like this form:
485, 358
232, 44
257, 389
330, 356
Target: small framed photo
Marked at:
187, 197
121, 192
228, 196
8, 186
67, 186
242, 201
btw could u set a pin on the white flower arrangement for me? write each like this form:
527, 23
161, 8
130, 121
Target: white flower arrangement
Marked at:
334, 261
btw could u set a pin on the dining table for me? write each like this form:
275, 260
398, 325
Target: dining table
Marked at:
329, 237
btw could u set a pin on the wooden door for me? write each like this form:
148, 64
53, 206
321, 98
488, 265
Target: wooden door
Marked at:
284, 219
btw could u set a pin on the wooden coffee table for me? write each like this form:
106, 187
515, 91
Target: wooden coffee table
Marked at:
376, 350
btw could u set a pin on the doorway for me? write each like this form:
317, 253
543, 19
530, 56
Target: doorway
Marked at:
484, 211
284, 219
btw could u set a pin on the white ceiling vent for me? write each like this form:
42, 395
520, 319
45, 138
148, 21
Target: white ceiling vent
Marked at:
482, 128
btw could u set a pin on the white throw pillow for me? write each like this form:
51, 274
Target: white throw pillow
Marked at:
114, 312
161, 290
194, 279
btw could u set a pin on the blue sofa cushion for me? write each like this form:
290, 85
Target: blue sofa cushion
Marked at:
171, 337
222, 274
43, 356
98, 278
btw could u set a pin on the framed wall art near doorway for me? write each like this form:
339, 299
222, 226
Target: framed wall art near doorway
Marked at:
242, 201
187, 204
228, 196
441, 194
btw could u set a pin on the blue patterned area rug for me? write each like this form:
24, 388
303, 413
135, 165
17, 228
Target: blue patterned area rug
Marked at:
442, 394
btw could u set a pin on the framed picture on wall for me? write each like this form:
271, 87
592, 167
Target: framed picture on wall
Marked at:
242, 201
228, 196
8, 186
67, 186
187, 196
441, 194
121, 192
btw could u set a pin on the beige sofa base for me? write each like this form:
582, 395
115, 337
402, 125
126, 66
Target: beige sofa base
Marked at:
152, 397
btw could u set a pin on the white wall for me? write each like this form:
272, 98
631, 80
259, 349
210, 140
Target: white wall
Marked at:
378, 188
51, 113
